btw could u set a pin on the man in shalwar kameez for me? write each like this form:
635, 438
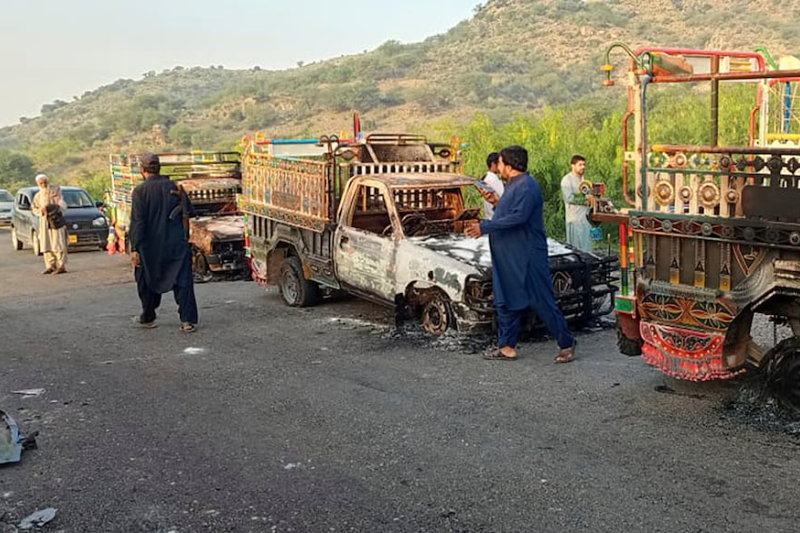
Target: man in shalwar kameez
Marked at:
161, 255
52, 242
576, 212
520, 265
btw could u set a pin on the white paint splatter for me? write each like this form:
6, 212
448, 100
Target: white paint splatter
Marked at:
290, 466
193, 351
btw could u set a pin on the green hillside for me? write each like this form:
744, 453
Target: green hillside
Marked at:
512, 56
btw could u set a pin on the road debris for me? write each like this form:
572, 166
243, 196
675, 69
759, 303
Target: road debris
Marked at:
11, 441
37, 519
28, 393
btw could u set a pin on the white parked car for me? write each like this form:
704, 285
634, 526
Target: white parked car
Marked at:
6, 203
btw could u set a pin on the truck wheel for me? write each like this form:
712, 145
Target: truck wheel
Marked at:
200, 271
37, 246
437, 315
295, 289
783, 372
627, 346
15, 240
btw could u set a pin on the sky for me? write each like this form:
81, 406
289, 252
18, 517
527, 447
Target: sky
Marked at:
58, 49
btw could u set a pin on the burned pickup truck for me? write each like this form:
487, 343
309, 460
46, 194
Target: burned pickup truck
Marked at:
211, 180
384, 220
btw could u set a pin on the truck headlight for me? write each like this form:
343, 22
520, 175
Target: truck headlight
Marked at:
99, 222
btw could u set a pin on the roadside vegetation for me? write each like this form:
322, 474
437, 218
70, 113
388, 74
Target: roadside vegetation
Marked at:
518, 71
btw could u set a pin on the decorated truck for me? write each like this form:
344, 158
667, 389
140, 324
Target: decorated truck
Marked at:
211, 180
384, 219
711, 235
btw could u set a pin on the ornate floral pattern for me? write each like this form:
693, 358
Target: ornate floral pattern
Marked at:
673, 310
685, 353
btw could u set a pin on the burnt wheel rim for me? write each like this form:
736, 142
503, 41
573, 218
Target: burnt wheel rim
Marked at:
435, 317
783, 373
290, 287
200, 268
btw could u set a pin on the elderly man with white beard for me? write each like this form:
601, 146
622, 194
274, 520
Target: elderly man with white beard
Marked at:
49, 206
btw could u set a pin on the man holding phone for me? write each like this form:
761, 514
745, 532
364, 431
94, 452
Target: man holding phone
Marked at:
520, 265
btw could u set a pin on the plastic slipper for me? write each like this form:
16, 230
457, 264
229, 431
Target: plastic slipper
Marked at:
137, 322
567, 355
188, 327
496, 355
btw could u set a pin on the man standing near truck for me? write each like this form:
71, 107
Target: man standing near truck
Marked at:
492, 180
579, 230
520, 265
161, 255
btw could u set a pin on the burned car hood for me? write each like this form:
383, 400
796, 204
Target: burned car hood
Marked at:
223, 228
476, 252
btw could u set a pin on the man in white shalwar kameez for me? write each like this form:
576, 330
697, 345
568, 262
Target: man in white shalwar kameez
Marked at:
52, 242
576, 211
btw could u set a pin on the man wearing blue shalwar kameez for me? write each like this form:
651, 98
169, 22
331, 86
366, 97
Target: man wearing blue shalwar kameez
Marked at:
520, 265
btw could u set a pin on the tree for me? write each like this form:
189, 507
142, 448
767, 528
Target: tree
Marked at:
15, 169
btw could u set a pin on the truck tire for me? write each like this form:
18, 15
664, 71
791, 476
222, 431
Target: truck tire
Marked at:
783, 373
626, 345
35, 244
629, 347
295, 289
15, 240
437, 315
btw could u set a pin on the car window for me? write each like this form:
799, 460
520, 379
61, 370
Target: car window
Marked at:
5, 196
77, 199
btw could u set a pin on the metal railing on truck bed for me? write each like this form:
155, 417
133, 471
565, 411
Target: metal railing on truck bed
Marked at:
302, 185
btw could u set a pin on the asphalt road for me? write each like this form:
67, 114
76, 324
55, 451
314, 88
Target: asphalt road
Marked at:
327, 420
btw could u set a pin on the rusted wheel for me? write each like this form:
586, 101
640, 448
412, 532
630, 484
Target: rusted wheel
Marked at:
200, 271
437, 315
783, 372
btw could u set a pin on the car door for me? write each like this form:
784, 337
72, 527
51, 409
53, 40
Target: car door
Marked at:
23, 217
364, 247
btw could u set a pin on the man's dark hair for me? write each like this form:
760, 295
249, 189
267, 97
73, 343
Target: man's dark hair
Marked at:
576, 158
491, 159
516, 157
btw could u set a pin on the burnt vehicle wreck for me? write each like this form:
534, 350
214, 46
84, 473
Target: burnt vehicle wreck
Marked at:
211, 181
385, 221
584, 284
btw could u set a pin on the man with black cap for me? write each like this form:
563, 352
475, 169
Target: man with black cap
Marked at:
161, 255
